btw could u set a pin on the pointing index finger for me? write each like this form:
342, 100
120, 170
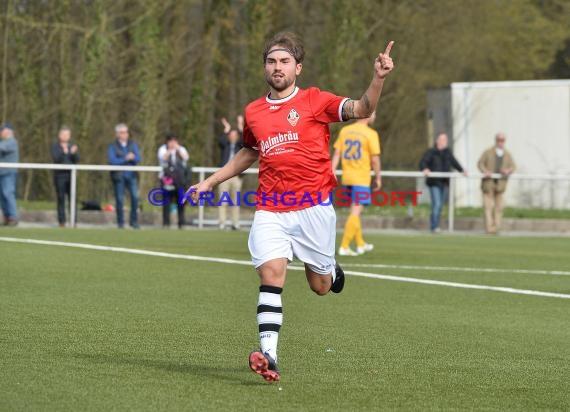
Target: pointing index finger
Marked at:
389, 48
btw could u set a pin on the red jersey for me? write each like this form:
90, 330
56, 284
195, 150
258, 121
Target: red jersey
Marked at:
292, 137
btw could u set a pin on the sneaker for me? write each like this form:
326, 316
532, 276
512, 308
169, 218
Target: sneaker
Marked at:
346, 252
367, 247
338, 284
264, 365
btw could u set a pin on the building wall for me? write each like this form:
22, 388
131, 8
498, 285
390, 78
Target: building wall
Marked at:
534, 115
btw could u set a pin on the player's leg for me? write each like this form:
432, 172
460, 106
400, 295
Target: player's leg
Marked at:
270, 248
350, 227
314, 244
364, 198
319, 283
269, 304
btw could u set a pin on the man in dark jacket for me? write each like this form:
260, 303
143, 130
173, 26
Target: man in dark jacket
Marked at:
125, 152
67, 153
438, 159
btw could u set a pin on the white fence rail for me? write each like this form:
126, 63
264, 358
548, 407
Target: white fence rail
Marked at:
203, 171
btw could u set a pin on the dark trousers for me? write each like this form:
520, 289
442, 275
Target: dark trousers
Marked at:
130, 183
62, 182
173, 198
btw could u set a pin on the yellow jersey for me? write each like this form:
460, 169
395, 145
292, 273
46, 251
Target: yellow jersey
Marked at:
357, 144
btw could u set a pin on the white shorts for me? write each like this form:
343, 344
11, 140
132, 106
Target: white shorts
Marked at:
308, 234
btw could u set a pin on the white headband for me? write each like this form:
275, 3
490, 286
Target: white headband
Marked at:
281, 49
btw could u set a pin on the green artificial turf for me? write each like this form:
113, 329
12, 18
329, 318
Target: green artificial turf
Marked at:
98, 330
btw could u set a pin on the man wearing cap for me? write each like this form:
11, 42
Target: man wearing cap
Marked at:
8, 154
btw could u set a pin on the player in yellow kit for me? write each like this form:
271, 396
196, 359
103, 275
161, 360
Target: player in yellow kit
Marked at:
358, 149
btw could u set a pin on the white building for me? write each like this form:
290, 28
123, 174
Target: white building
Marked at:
534, 115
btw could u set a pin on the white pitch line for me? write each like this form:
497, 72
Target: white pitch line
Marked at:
124, 250
248, 263
461, 285
460, 269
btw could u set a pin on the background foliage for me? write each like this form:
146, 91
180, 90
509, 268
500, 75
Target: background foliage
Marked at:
182, 64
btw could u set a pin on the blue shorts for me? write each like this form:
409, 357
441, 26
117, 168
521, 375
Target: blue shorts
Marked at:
364, 194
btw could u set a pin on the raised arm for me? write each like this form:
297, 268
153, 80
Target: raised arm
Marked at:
360, 109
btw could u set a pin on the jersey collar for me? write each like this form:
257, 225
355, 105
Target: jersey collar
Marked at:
283, 100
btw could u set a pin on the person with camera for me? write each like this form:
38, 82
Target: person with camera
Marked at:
175, 176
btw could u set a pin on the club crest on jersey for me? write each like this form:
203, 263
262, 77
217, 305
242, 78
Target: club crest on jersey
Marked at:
293, 117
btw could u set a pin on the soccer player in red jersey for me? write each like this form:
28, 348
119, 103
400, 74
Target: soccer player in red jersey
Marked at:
287, 130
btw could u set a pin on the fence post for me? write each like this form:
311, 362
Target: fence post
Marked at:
72, 197
451, 211
200, 204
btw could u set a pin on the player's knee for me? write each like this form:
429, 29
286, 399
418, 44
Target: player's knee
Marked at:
320, 289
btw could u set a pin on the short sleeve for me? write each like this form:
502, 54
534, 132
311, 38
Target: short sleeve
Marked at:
326, 107
249, 140
374, 144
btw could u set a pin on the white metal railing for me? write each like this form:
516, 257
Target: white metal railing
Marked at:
202, 171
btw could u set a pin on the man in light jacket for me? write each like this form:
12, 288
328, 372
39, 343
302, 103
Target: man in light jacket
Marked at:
495, 160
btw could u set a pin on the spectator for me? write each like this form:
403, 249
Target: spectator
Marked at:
173, 158
495, 160
8, 177
438, 159
230, 142
63, 152
125, 152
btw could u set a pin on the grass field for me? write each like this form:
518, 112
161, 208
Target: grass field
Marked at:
84, 329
